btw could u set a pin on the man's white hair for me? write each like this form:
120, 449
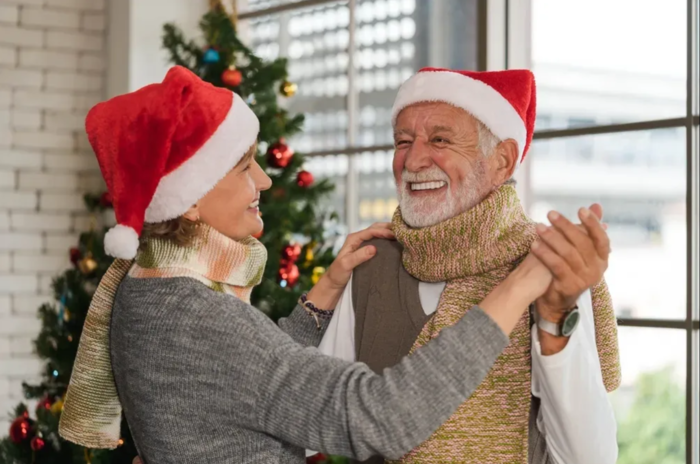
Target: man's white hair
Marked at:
487, 140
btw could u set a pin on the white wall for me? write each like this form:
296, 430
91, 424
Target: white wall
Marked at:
56, 62
51, 72
136, 27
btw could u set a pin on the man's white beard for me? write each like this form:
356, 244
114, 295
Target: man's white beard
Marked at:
433, 208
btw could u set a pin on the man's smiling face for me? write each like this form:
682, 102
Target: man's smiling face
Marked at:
441, 167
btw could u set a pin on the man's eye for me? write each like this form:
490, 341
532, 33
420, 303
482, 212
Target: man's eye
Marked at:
440, 140
402, 142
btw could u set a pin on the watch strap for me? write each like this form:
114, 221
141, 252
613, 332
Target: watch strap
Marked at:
550, 327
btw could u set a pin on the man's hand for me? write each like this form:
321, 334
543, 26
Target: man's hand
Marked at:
137, 460
577, 257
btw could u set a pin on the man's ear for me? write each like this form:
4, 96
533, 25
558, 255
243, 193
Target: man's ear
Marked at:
506, 157
193, 213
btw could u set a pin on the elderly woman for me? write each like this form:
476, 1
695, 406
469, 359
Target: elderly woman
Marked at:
201, 375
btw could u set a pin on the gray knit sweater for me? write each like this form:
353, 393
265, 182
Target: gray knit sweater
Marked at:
205, 378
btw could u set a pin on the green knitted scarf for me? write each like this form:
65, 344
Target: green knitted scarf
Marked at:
92, 412
473, 253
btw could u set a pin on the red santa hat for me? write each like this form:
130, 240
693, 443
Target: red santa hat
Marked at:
503, 100
163, 147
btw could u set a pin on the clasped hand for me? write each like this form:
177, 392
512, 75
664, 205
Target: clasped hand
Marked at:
576, 256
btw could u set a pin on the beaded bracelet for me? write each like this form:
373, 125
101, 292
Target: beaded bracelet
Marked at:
315, 312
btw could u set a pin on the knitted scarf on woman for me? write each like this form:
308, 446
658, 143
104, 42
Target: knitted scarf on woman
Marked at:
92, 412
473, 253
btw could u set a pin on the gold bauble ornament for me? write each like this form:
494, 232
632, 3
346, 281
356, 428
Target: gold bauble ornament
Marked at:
288, 89
57, 407
317, 273
87, 265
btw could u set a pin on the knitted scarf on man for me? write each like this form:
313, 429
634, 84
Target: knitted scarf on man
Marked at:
473, 253
92, 412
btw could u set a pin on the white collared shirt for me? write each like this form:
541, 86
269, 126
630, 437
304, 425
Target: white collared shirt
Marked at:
576, 416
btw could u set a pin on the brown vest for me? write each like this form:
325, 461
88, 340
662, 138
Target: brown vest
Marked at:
389, 318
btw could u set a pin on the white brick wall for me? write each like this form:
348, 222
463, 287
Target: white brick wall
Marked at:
52, 65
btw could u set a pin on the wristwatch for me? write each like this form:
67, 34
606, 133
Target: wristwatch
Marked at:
563, 329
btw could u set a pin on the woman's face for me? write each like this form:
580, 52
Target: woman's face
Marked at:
231, 207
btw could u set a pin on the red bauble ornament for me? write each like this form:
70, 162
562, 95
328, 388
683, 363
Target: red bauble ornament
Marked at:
279, 155
45, 403
305, 179
317, 459
289, 273
21, 429
75, 255
232, 77
106, 200
37, 443
258, 235
291, 253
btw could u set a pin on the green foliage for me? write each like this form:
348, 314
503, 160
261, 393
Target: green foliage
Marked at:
654, 430
290, 212
57, 345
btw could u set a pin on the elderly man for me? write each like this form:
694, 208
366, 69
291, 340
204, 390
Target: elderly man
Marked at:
460, 228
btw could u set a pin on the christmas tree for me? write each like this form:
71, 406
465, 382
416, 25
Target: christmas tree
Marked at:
33, 436
298, 250
294, 232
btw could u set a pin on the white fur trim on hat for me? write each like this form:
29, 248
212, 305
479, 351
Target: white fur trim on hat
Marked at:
184, 186
479, 99
122, 242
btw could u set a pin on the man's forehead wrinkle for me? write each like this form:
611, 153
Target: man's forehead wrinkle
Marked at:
441, 128
403, 131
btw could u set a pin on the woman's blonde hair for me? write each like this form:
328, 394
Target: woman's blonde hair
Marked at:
182, 231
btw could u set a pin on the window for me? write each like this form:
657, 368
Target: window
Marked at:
348, 59
617, 123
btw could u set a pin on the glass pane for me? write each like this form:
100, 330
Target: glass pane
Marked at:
255, 5
395, 38
315, 40
608, 61
376, 188
639, 178
650, 404
335, 169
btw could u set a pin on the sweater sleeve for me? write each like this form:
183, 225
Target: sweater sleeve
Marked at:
302, 328
338, 407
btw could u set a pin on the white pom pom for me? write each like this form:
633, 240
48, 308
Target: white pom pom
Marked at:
122, 242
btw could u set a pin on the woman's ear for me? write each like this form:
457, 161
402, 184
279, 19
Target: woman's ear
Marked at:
193, 213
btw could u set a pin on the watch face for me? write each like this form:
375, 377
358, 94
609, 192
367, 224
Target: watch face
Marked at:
570, 323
